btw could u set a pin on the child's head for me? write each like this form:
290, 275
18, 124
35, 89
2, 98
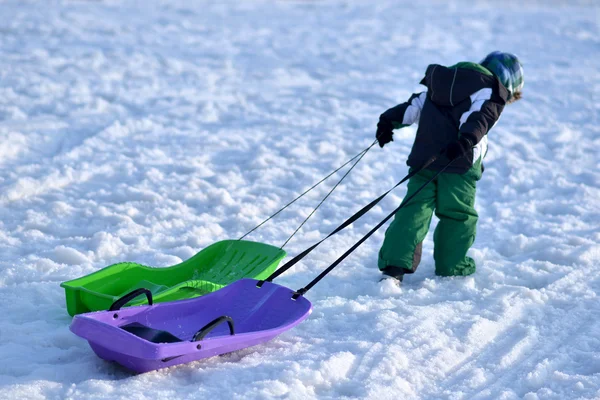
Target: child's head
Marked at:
509, 71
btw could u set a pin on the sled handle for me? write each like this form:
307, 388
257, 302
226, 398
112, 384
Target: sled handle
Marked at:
130, 296
206, 329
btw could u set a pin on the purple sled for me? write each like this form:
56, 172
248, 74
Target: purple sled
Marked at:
146, 338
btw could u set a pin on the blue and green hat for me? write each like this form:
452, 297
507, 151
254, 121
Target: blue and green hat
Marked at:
507, 68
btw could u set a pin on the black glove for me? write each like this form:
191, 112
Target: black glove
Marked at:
384, 132
458, 148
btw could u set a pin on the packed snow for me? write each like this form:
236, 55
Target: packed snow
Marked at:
146, 130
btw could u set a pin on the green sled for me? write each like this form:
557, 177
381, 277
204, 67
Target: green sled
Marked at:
211, 269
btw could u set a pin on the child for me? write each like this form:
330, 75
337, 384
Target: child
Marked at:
461, 104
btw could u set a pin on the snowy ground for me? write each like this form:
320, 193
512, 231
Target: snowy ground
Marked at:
146, 130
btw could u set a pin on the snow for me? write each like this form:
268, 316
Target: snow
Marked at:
146, 130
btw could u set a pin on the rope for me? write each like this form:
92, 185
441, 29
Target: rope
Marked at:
329, 194
360, 154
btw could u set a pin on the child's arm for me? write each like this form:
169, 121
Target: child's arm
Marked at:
406, 113
398, 117
485, 110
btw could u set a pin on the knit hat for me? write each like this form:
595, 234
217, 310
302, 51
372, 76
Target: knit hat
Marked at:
507, 68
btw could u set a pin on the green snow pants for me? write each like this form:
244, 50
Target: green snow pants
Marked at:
452, 197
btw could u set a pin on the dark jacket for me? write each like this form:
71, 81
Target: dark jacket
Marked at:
462, 100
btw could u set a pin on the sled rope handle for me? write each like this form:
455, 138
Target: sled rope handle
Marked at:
206, 329
301, 292
360, 154
349, 221
364, 152
130, 296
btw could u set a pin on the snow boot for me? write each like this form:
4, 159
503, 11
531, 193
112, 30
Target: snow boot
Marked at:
395, 273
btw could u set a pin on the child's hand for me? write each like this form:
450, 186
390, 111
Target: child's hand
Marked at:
458, 148
385, 132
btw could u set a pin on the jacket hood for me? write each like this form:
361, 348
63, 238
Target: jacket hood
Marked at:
450, 86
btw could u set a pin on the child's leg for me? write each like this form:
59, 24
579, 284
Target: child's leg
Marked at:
455, 233
409, 227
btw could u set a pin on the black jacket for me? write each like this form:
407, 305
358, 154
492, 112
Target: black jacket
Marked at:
463, 100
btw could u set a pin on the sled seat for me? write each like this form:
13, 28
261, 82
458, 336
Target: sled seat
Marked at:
149, 334
212, 268
151, 337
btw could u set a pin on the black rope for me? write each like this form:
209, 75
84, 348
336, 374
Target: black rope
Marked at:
305, 289
346, 223
329, 194
360, 154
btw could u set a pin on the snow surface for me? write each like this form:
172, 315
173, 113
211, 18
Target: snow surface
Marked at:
146, 130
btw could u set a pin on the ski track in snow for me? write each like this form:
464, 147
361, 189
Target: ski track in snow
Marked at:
145, 131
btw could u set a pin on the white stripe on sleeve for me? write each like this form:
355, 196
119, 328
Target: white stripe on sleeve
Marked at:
477, 100
413, 111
